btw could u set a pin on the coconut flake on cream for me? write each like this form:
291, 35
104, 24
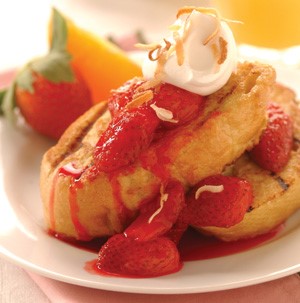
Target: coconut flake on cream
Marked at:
199, 56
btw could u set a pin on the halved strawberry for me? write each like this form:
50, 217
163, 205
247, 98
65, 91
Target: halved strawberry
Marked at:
158, 217
127, 135
222, 202
184, 105
126, 257
178, 229
273, 150
123, 95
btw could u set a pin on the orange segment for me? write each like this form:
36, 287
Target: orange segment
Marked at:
103, 65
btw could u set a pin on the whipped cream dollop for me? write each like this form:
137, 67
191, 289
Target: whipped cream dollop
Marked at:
208, 54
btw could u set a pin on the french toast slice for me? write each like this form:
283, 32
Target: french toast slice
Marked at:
96, 204
276, 196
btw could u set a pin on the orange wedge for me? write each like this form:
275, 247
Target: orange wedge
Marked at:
103, 65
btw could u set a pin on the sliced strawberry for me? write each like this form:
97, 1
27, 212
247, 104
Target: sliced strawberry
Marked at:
185, 106
178, 229
275, 145
222, 204
127, 135
126, 257
158, 216
123, 95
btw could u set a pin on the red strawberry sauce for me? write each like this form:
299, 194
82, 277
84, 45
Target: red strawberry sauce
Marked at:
75, 185
193, 246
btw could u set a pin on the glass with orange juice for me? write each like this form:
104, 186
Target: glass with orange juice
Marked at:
266, 23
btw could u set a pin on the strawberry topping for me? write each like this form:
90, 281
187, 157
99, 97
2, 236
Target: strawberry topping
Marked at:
157, 217
273, 150
127, 257
123, 95
132, 129
184, 105
126, 136
223, 202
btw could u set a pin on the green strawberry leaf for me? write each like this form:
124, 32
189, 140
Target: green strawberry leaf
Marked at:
9, 103
55, 67
59, 32
25, 79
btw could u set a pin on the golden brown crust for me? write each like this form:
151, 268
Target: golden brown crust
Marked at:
233, 120
276, 197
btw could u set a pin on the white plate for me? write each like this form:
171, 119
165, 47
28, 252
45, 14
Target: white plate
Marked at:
24, 241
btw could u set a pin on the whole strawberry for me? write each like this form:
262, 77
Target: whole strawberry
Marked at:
218, 200
273, 150
48, 91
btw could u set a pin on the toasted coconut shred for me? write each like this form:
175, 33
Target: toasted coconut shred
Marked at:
210, 188
163, 199
70, 168
163, 114
140, 98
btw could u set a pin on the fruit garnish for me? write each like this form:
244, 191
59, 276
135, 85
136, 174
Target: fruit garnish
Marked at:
184, 105
121, 96
103, 65
157, 217
124, 256
136, 116
178, 229
49, 91
218, 200
274, 148
172, 104
127, 135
